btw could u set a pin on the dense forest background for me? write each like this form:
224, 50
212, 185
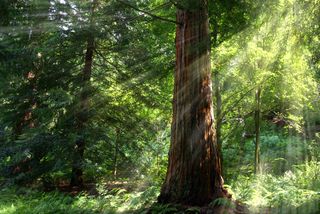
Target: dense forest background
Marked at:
87, 89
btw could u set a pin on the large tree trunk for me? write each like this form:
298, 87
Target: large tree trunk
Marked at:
82, 117
193, 175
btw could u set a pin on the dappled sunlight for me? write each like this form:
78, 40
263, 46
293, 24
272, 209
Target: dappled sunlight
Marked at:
98, 115
295, 191
272, 55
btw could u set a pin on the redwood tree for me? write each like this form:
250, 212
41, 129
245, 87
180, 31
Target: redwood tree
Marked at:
193, 175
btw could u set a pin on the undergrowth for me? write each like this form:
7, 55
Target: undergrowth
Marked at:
296, 191
23, 200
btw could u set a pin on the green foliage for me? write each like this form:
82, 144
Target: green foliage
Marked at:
26, 200
269, 44
291, 191
20, 200
126, 94
163, 209
193, 210
279, 153
224, 202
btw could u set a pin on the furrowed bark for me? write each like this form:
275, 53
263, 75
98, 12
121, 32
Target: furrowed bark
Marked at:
193, 175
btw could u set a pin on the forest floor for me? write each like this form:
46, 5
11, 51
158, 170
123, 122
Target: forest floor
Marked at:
16, 200
138, 196
108, 197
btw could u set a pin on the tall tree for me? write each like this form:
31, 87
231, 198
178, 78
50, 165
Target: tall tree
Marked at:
83, 116
227, 19
193, 175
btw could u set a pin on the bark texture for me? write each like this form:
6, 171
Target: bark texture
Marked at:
193, 175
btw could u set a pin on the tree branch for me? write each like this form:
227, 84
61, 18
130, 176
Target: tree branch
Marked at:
236, 102
148, 13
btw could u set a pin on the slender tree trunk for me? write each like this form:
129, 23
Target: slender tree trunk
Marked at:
27, 121
193, 175
82, 117
257, 130
27, 118
217, 94
218, 115
116, 152
241, 150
